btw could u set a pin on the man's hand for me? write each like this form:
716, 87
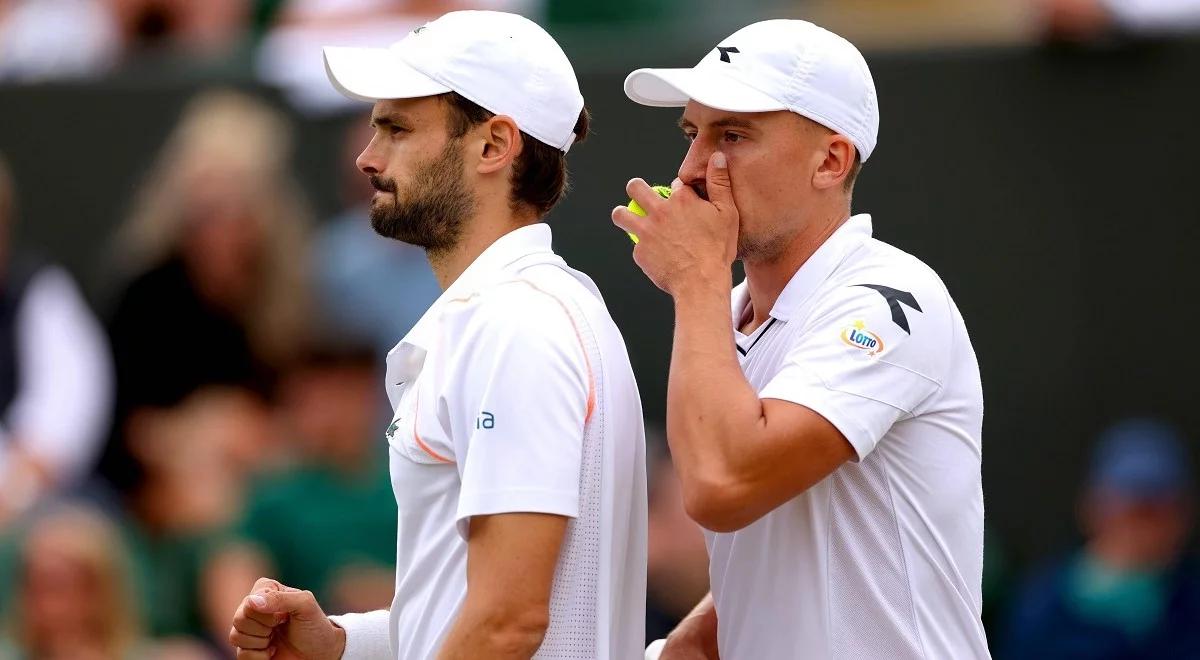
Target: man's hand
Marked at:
686, 238
695, 638
277, 622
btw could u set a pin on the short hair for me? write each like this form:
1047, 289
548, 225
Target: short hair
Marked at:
852, 176
539, 178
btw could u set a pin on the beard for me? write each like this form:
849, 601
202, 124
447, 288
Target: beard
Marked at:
433, 209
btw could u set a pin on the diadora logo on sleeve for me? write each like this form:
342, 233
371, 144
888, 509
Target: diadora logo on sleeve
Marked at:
857, 335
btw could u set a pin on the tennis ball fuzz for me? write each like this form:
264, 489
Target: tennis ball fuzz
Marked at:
663, 191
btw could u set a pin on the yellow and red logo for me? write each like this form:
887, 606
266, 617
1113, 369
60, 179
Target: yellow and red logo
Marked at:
859, 337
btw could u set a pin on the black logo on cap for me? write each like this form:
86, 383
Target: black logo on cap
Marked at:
419, 29
726, 50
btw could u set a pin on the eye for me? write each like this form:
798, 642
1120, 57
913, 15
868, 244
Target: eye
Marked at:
690, 136
733, 137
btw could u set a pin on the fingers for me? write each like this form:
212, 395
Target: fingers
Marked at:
717, 183
643, 194
291, 602
249, 642
628, 220
244, 654
252, 615
244, 624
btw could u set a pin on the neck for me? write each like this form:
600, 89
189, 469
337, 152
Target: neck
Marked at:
766, 278
485, 228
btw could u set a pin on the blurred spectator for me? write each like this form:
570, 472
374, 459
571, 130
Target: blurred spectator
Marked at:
328, 524
372, 287
72, 595
677, 559
290, 52
46, 39
191, 491
1129, 593
211, 27
215, 255
52, 353
1084, 20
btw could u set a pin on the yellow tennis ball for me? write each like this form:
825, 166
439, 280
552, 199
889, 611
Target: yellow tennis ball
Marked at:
663, 191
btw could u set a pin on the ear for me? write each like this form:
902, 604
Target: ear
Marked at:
835, 166
501, 141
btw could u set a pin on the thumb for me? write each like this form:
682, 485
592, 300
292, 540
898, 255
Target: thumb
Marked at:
717, 183
297, 603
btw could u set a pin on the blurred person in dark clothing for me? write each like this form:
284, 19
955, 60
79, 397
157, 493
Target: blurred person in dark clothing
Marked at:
214, 258
677, 568
327, 523
52, 352
1130, 593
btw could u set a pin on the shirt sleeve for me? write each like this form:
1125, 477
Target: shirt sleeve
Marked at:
859, 367
367, 636
523, 401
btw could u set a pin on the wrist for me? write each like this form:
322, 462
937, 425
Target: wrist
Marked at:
704, 283
339, 644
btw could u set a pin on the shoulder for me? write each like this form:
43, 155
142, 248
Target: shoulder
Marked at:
885, 273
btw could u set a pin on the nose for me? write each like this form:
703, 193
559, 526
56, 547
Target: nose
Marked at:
695, 164
368, 161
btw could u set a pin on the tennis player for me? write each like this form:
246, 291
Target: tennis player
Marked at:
826, 425
517, 449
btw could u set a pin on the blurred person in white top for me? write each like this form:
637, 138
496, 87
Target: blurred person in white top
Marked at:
825, 415
56, 375
516, 449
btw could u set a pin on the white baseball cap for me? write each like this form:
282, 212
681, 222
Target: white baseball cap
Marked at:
775, 65
503, 62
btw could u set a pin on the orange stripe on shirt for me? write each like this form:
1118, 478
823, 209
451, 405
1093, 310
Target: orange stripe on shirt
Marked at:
591, 400
417, 436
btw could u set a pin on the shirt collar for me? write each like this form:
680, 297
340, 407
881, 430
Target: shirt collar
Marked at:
486, 269
812, 273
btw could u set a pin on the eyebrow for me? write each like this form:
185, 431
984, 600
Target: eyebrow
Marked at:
383, 121
727, 122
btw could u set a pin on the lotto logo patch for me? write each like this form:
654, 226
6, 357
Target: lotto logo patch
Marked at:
856, 335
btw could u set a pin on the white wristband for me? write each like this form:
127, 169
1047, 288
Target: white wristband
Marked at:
655, 649
366, 635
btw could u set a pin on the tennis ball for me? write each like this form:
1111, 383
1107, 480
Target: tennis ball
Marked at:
663, 191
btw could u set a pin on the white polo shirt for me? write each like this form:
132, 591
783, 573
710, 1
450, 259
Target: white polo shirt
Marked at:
514, 393
884, 557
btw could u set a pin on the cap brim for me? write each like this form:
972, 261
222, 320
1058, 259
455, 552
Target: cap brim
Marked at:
373, 74
673, 88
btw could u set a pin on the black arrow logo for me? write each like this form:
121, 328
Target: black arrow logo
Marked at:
894, 297
726, 50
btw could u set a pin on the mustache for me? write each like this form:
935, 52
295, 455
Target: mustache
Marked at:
381, 184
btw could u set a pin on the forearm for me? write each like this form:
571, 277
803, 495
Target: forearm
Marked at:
712, 410
492, 633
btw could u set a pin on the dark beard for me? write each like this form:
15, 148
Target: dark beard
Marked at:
435, 207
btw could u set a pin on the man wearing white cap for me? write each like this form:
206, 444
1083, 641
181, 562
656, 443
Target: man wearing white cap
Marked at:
516, 449
830, 436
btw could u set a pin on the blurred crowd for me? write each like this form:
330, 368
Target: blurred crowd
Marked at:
225, 414
280, 39
225, 407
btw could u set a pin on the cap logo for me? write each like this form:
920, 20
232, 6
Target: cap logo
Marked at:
726, 50
419, 29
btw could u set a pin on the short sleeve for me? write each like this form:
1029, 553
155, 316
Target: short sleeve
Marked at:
522, 402
866, 359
